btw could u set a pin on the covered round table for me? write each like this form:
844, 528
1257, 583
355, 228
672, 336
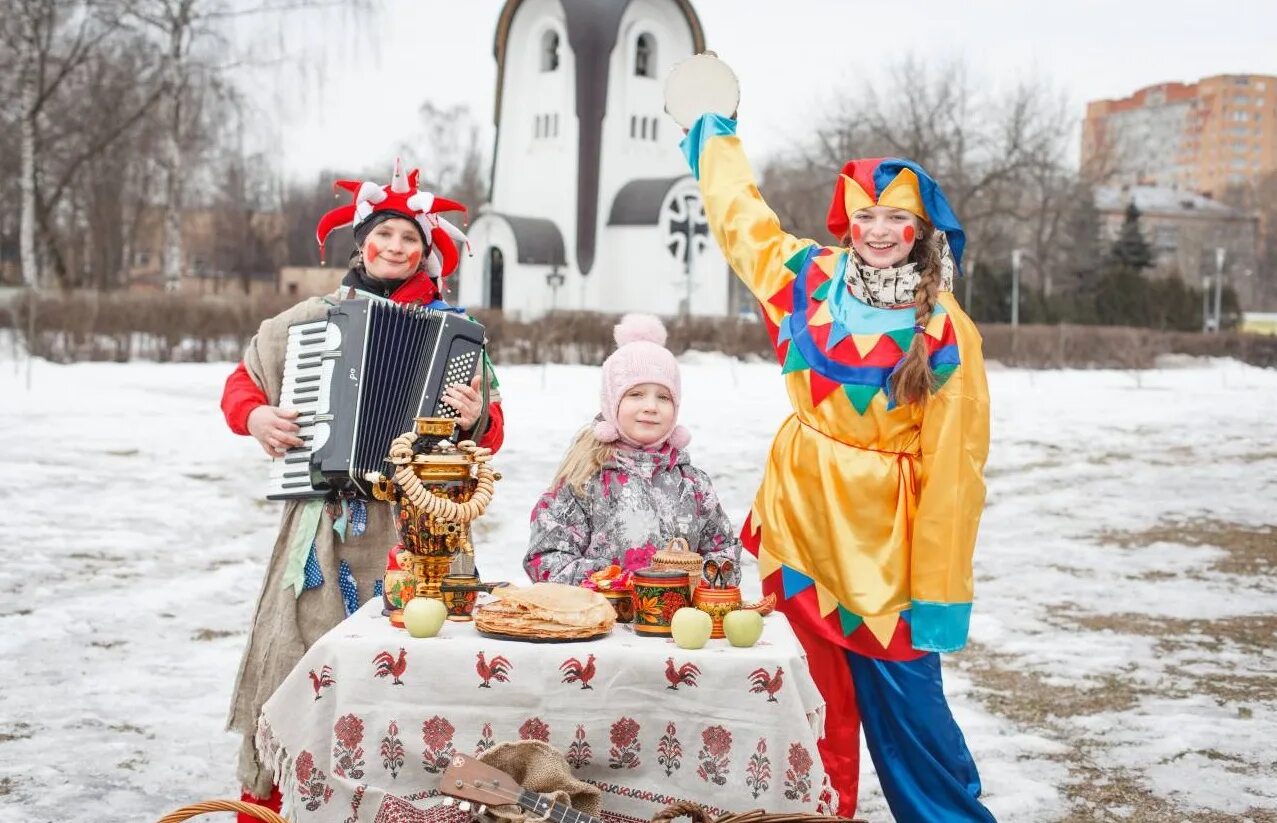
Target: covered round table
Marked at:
363, 726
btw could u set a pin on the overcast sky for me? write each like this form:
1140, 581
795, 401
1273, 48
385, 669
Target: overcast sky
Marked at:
789, 54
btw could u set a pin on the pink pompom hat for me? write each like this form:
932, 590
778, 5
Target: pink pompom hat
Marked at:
640, 357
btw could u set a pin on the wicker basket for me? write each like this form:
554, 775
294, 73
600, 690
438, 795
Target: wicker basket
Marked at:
679, 555
699, 815
196, 809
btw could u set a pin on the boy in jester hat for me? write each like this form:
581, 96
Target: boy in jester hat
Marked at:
329, 555
866, 519
627, 485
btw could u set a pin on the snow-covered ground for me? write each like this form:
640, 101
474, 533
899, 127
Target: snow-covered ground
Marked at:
1122, 658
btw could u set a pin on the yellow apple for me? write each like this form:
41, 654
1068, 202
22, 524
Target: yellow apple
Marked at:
424, 616
691, 628
743, 628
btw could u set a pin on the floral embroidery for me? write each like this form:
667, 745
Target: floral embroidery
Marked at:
534, 729
578, 754
485, 740
624, 753
437, 734
669, 753
392, 752
798, 775
311, 782
758, 773
348, 751
714, 755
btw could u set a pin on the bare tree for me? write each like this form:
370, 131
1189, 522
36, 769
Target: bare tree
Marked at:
999, 157
184, 27
448, 153
50, 41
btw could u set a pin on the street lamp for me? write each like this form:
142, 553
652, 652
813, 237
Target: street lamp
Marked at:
1016, 256
554, 279
1205, 304
1219, 284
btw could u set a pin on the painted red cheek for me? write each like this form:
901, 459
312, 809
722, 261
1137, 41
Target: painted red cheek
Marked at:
373, 251
909, 234
855, 232
414, 258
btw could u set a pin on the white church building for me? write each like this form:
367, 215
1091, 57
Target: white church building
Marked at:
592, 207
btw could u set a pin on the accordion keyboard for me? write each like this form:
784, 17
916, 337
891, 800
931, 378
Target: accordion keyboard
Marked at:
308, 365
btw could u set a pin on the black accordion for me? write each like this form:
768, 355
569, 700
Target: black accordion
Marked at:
358, 378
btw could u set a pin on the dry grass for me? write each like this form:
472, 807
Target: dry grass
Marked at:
1095, 793
1249, 550
1099, 792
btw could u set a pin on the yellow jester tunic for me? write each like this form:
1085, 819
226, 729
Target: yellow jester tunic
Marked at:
866, 519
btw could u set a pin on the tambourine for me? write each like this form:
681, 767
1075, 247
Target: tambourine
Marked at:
700, 85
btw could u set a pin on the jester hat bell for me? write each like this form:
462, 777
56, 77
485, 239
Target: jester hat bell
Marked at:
899, 184
400, 198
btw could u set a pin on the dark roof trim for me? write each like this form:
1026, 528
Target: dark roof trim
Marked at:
593, 26
638, 203
537, 240
503, 34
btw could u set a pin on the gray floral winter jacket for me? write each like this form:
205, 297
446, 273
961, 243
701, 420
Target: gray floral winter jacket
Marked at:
631, 509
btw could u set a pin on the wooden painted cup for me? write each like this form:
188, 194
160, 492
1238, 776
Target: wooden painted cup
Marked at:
459, 594
658, 593
716, 602
622, 601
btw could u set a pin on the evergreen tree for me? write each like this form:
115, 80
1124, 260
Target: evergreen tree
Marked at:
1130, 251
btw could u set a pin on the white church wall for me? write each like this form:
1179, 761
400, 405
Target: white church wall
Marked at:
639, 274
535, 173
525, 291
636, 105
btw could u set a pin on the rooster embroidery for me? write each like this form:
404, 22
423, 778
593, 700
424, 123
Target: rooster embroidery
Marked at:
763, 683
498, 669
576, 672
322, 680
684, 675
387, 665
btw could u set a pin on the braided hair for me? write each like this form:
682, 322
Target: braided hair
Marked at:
914, 381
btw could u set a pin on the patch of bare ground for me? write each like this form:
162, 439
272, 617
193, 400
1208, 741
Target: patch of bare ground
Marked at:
1248, 550
1252, 634
1028, 698
1118, 795
1096, 792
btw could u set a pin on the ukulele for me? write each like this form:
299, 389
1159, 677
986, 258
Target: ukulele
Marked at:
474, 785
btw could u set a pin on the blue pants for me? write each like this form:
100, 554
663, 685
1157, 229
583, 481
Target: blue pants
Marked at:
923, 764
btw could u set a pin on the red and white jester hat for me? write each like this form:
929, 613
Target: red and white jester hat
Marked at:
401, 199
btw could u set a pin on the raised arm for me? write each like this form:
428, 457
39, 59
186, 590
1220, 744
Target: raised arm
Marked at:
748, 232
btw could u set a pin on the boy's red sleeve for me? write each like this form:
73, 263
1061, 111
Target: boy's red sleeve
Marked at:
495, 435
239, 397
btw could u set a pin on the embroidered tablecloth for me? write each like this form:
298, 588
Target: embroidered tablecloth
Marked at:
363, 726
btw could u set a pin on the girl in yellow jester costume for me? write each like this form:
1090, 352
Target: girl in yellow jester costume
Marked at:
866, 519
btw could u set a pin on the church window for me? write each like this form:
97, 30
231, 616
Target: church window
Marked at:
550, 51
654, 121
633, 126
556, 124
645, 56
643, 128
496, 279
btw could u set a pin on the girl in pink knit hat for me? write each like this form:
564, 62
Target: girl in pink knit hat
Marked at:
626, 486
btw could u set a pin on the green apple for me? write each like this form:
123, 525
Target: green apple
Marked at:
743, 628
424, 616
691, 628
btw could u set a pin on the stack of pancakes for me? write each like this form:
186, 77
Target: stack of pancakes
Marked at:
546, 611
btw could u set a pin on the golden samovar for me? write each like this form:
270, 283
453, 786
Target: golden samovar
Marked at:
439, 488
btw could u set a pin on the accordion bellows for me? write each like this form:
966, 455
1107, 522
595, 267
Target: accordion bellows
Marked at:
546, 611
